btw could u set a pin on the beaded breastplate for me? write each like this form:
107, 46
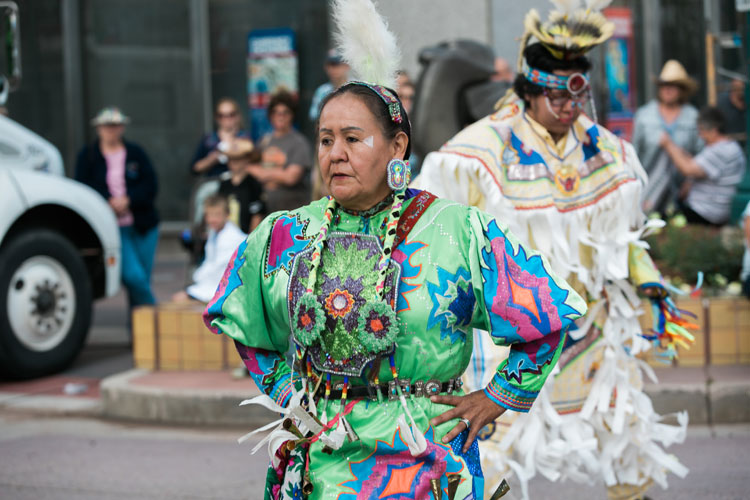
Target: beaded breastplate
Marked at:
356, 330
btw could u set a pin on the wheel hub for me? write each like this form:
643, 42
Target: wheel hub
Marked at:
44, 301
41, 303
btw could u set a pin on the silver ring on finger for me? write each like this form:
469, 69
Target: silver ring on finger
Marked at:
465, 421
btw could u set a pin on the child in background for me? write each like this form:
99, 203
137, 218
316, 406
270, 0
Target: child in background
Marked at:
223, 239
242, 191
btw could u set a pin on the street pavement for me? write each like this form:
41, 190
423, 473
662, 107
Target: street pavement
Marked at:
86, 459
82, 459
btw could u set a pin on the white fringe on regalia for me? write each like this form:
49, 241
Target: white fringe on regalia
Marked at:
616, 437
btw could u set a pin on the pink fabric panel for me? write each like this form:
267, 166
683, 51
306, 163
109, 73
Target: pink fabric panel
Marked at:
116, 181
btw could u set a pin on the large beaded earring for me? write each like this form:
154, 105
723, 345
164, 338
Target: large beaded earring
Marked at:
398, 174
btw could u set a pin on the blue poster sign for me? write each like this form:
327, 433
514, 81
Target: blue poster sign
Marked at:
617, 76
272, 65
620, 72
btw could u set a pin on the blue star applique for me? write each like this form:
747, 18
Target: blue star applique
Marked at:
453, 304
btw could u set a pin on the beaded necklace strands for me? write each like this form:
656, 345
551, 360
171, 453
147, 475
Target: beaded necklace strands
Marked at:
308, 305
390, 237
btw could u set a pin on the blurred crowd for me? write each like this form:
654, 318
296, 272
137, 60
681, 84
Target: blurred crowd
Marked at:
694, 159
237, 182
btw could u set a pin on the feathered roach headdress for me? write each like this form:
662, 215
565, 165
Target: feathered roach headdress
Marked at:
364, 42
573, 29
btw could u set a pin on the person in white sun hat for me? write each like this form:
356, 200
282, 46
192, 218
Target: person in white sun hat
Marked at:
122, 173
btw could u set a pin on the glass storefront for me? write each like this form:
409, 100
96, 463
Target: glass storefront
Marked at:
232, 20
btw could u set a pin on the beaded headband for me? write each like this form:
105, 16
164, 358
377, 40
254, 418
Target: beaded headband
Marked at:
575, 83
390, 100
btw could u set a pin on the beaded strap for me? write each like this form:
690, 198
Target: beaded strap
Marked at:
390, 237
318, 244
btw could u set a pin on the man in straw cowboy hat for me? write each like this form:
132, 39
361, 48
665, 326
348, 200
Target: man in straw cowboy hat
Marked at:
671, 113
570, 189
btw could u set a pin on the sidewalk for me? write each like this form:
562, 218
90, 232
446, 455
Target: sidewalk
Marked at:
202, 398
719, 395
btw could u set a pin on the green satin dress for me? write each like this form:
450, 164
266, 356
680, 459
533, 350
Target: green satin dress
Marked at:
453, 269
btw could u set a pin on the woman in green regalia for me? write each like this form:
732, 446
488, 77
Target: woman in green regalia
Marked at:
375, 291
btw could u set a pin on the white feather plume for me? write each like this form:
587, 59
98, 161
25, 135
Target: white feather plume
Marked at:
363, 39
597, 5
566, 7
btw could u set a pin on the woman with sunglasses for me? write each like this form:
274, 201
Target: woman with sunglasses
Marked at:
210, 159
570, 189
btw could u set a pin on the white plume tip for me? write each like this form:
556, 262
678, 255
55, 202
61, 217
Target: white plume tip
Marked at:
364, 41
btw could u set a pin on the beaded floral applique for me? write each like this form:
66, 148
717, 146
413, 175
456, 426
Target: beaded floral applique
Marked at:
341, 326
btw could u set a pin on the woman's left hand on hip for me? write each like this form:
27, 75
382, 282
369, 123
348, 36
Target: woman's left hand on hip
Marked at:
476, 407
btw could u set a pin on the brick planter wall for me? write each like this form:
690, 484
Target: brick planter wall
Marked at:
172, 337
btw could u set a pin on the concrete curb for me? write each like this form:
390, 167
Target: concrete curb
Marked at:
712, 403
730, 402
672, 398
122, 399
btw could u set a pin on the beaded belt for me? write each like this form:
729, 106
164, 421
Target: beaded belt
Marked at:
419, 388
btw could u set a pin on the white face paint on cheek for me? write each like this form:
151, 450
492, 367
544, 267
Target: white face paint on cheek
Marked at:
370, 141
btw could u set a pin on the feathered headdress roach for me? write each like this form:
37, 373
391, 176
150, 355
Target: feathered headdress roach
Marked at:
363, 39
574, 28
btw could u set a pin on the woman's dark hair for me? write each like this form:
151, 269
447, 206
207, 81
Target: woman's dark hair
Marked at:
378, 108
711, 118
284, 98
538, 57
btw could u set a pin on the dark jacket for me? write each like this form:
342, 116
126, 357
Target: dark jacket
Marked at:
140, 181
